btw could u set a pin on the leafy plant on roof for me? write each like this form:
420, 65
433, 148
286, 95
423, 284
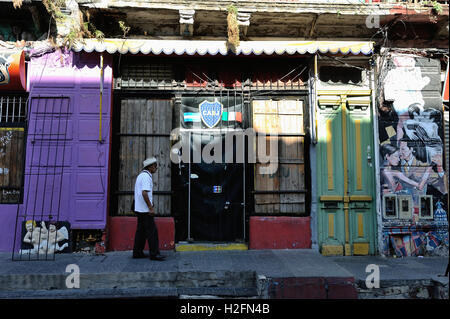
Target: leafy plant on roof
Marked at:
233, 27
76, 30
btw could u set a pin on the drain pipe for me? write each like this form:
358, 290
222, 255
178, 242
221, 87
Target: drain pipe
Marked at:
376, 153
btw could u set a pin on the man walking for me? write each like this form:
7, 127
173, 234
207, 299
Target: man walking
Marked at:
144, 208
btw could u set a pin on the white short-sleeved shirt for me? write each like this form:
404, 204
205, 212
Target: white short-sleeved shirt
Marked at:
143, 182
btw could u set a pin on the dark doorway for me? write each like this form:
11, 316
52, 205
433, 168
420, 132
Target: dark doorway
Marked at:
209, 195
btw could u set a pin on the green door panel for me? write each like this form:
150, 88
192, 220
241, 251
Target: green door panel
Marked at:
347, 220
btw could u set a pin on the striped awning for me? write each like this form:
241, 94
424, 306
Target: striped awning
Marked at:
200, 47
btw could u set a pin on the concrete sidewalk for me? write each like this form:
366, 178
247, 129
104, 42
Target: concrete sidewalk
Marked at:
229, 274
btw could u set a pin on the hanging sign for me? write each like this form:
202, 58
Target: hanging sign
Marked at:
211, 113
12, 70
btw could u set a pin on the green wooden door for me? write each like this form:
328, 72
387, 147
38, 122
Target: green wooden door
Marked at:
346, 214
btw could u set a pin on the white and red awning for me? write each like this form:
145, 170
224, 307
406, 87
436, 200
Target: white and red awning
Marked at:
203, 47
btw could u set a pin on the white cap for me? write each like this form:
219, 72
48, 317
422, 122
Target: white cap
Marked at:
149, 161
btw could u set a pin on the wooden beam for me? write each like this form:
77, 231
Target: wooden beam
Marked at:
313, 25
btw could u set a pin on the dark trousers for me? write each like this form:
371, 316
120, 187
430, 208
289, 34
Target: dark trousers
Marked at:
146, 230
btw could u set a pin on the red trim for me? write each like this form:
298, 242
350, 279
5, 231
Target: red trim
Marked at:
280, 232
123, 229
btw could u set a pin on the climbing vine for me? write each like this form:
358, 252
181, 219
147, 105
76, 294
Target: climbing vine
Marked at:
233, 27
436, 5
75, 31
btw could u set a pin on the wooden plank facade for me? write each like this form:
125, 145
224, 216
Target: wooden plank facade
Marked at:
145, 126
281, 191
147, 108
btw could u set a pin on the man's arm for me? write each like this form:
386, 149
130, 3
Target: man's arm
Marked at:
147, 201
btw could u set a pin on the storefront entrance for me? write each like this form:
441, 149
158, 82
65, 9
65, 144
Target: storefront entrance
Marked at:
211, 173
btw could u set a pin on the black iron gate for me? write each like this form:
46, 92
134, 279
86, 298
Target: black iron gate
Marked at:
210, 178
39, 233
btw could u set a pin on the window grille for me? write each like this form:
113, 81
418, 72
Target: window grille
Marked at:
13, 109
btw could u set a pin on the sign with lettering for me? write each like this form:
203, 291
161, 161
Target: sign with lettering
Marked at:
211, 113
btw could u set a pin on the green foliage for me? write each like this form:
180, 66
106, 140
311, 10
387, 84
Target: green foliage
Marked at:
86, 29
70, 39
232, 9
125, 29
436, 5
233, 27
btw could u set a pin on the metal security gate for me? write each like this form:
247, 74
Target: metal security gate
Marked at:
210, 179
39, 233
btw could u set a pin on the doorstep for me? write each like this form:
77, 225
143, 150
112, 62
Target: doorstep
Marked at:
189, 246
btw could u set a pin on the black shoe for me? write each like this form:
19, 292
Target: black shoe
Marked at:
157, 257
139, 255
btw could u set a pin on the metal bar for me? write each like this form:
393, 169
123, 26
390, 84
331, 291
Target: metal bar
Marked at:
55, 166
124, 193
63, 157
291, 162
297, 191
1, 109
39, 174
20, 109
189, 191
46, 174
143, 134
21, 190
283, 134
4, 124
7, 109
26, 203
13, 109
243, 183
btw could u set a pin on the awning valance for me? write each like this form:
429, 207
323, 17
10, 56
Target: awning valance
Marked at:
200, 47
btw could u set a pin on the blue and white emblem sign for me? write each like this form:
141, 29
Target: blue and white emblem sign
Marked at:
211, 112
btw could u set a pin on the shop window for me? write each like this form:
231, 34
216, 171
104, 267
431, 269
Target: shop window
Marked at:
405, 206
390, 206
426, 207
12, 147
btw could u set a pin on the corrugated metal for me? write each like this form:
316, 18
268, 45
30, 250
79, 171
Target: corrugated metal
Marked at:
181, 47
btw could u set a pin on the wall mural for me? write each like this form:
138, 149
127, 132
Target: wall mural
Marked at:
413, 181
5, 62
44, 238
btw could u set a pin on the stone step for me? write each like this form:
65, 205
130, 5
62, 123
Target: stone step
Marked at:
186, 246
131, 280
118, 293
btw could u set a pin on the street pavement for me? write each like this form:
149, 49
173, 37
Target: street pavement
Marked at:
264, 274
